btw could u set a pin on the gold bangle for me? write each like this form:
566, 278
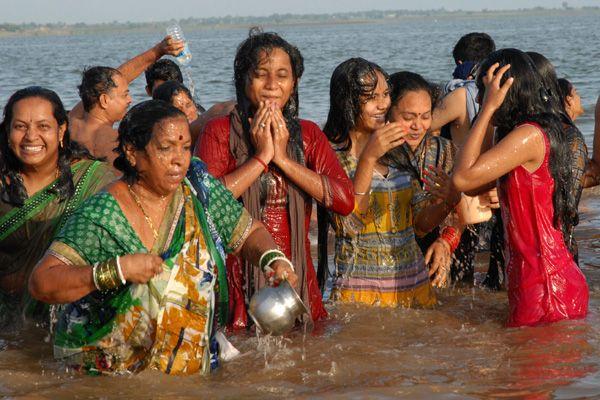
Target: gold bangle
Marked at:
106, 275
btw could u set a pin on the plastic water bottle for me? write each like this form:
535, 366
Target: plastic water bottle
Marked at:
175, 31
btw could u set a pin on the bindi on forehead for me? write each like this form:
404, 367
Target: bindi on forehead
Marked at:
180, 138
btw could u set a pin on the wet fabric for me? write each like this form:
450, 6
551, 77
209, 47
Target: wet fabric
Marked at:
215, 149
544, 283
433, 151
276, 195
464, 70
27, 231
169, 322
579, 158
471, 90
377, 260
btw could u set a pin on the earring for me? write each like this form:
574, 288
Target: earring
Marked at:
61, 143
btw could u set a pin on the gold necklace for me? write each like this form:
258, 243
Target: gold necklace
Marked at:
148, 220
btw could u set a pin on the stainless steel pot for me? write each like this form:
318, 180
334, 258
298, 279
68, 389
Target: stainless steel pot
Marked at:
275, 309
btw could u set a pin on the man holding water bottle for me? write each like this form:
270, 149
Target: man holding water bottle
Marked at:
104, 92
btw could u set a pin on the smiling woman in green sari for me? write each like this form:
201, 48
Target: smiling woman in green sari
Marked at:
44, 177
140, 265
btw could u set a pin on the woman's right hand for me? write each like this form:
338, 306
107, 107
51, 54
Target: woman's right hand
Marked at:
260, 133
140, 268
383, 140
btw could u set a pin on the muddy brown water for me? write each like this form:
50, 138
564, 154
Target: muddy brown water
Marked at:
459, 350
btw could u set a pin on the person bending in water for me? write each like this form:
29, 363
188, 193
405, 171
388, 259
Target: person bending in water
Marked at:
104, 93
167, 70
532, 160
377, 260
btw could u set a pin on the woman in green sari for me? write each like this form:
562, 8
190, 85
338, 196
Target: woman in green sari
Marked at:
44, 177
140, 266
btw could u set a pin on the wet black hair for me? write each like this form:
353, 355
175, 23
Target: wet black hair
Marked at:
163, 70
350, 80
548, 74
13, 190
247, 60
565, 87
528, 100
136, 129
96, 81
167, 90
474, 46
405, 81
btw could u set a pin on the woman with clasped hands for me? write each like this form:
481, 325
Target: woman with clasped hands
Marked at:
276, 162
139, 268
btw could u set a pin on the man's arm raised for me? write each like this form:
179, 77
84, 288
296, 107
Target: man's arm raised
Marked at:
132, 68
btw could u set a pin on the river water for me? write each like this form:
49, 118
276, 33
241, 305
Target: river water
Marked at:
460, 350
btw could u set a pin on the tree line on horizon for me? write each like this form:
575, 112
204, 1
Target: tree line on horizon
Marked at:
287, 18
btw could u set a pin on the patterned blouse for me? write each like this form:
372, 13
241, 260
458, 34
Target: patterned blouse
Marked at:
377, 259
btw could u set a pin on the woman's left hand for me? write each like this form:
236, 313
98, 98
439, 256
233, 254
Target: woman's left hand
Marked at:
281, 135
283, 271
439, 184
495, 90
439, 257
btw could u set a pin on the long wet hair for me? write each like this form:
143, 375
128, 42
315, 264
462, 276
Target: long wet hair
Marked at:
528, 100
247, 60
13, 190
350, 80
136, 129
565, 88
548, 74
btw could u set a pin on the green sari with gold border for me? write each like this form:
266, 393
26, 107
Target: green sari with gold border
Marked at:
169, 322
26, 232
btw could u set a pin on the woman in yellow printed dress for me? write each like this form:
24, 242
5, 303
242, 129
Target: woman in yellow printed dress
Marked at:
377, 259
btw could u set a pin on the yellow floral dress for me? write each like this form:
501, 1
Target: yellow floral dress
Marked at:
377, 260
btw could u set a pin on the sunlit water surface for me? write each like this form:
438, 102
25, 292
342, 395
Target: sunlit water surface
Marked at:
459, 350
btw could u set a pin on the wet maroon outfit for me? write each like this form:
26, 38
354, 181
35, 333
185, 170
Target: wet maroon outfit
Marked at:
213, 148
544, 283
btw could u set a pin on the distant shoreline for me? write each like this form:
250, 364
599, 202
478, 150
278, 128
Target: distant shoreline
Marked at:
192, 24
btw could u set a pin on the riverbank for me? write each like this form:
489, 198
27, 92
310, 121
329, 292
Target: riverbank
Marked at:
234, 22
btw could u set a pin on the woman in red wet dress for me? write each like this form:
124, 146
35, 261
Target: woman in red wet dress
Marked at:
275, 162
532, 162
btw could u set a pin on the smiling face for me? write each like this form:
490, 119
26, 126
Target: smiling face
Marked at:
273, 80
413, 111
183, 102
163, 163
34, 134
374, 106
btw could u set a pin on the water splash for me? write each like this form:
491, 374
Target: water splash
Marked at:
191, 85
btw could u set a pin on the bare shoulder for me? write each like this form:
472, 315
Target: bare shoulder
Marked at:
105, 141
457, 96
527, 132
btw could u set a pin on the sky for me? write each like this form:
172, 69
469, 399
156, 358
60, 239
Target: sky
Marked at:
96, 11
